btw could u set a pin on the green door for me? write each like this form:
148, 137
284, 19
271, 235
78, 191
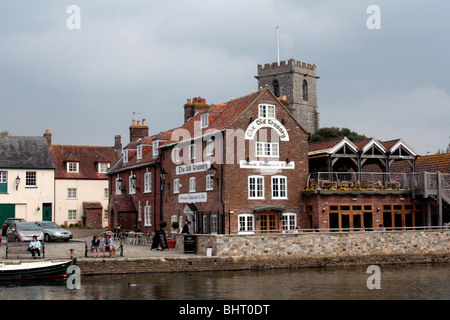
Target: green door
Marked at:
46, 212
7, 211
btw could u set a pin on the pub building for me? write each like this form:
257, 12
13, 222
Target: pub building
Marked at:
245, 166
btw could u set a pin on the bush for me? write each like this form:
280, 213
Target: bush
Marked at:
175, 225
162, 224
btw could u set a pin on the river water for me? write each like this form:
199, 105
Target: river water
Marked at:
405, 282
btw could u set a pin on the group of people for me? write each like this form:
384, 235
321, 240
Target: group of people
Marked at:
108, 245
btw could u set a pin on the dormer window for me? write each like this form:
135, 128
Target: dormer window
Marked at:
73, 167
139, 152
125, 156
266, 111
103, 167
155, 148
204, 120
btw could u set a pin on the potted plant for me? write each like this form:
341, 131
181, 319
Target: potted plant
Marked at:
162, 224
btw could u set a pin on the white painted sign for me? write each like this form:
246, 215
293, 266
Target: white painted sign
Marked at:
266, 164
192, 197
193, 167
271, 123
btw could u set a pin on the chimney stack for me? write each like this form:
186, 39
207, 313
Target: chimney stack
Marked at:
138, 131
192, 106
48, 137
118, 145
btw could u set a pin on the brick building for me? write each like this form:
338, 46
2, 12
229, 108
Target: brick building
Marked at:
235, 167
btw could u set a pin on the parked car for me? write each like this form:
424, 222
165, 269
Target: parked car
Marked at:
8, 222
24, 231
52, 231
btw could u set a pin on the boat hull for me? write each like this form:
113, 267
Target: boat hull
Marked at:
34, 271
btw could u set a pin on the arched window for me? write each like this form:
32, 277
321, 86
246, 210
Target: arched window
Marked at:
305, 90
276, 88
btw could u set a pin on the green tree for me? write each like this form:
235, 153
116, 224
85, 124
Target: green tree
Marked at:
4, 133
329, 133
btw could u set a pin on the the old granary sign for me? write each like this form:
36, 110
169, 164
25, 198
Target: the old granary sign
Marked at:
270, 123
193, 167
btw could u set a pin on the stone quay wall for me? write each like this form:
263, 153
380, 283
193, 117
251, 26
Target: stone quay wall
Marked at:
324, 244
276, 251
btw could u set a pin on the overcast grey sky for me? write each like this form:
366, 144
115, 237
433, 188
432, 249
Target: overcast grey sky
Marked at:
148, 57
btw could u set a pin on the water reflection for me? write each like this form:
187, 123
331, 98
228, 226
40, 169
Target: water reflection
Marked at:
425, 281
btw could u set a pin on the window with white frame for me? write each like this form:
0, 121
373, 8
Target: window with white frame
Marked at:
192, 151
131, 187
279, 189
209, 149
103, 167
148, 182
209, 182
3, 182
147, 215
192, 184
155, 148
204, 120
125, 156
289, 221
176, 155
139, 152
105, 215
30, 179
72, 167
246, 223
205, 223
118, 190
267, 149
139, 211
106, 193
266, 111
71, 193
213, 224
72, 215
176, 186
256, 187
173, 219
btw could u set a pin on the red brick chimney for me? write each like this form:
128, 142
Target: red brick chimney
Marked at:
138, 130
192, 106
48, 137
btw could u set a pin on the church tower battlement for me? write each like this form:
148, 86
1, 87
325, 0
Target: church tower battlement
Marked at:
298, 82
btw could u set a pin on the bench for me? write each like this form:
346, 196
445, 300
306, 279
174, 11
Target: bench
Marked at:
18, 250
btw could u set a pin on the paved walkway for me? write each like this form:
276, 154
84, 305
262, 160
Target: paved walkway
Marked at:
83, 238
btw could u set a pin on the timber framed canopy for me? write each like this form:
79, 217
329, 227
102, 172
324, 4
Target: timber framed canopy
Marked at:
340, 155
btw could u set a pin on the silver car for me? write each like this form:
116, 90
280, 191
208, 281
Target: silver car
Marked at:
24, 231
52, 231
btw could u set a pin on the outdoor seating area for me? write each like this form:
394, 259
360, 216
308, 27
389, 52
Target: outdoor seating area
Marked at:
357, 181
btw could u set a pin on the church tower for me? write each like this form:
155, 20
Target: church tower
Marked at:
298, 82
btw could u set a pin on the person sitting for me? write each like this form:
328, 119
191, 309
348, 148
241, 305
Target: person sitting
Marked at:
95, 246
108, 245
35, 246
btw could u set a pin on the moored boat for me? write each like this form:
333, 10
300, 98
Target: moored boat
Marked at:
47, 269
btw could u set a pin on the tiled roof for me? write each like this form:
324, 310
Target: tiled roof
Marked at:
88, 157
123, 203
434, 162
92, 205
25, 153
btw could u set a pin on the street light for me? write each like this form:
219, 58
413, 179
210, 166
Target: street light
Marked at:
212, 170
17, 182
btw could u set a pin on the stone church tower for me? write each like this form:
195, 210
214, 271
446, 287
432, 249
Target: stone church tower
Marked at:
298, 82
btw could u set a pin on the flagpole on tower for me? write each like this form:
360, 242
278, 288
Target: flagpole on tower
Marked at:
278, 43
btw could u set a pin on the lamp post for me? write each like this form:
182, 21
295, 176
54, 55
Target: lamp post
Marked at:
17, 182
